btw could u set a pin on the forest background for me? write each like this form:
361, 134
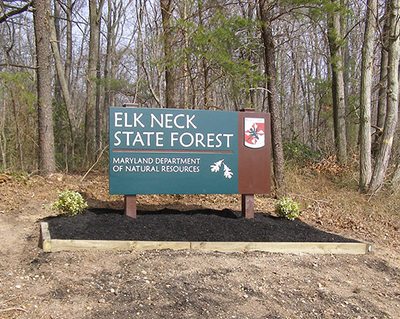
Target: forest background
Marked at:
326, 70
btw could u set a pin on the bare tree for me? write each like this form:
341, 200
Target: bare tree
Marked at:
13, 10
41, 17
170, 79
95, 11
365, 94
151, 76
63, 80
272, 93
335, 36
383, 83
383, 156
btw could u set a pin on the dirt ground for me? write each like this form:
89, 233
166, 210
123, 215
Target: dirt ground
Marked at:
190, 284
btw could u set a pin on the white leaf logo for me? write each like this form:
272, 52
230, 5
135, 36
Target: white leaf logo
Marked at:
227, 172
217, 166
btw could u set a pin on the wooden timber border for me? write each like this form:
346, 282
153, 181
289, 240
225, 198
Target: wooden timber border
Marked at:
54, 245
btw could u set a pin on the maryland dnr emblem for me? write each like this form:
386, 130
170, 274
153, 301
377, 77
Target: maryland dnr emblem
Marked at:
254, 132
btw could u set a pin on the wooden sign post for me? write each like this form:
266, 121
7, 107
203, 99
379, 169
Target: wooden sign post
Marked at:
130, 200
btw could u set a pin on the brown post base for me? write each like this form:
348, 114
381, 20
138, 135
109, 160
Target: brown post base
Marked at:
248, 205
130, 206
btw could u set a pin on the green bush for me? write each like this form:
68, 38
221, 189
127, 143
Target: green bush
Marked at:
299, 153
70, 203
288, 208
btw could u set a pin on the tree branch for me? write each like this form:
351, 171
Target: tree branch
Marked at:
19, 66
13, 309
15, 12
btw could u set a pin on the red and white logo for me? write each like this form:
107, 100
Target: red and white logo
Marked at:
254, 132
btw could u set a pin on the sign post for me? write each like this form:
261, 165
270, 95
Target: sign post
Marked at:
173, 151
130, 208
248, 199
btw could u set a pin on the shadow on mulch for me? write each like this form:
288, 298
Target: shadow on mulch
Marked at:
203, 225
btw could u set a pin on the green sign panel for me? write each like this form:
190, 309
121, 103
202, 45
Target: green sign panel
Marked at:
170, 151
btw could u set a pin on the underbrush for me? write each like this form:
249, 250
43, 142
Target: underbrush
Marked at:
330, 198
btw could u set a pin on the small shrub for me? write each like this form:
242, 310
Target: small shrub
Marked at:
288, 208
70, 203
299, 153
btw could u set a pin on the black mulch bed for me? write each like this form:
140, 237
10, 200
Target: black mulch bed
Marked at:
197, 225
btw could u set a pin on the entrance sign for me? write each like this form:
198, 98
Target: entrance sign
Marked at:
173, 151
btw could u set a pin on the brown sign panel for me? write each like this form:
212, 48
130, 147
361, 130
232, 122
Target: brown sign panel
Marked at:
254, 153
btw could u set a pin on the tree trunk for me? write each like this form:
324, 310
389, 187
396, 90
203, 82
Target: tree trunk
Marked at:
294, 97
141, 57
62, 79
166, 14
346, 75
186, 70
97, 105
204, 65
396, 178
41, 18
272, 94
91, 85
17, 131
3, 139
365, 95
383, 156
383, 84
108, 61
335, 36
54, 40
68, 53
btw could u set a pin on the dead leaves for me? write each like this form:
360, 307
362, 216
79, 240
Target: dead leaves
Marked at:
329, 165
4, 178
